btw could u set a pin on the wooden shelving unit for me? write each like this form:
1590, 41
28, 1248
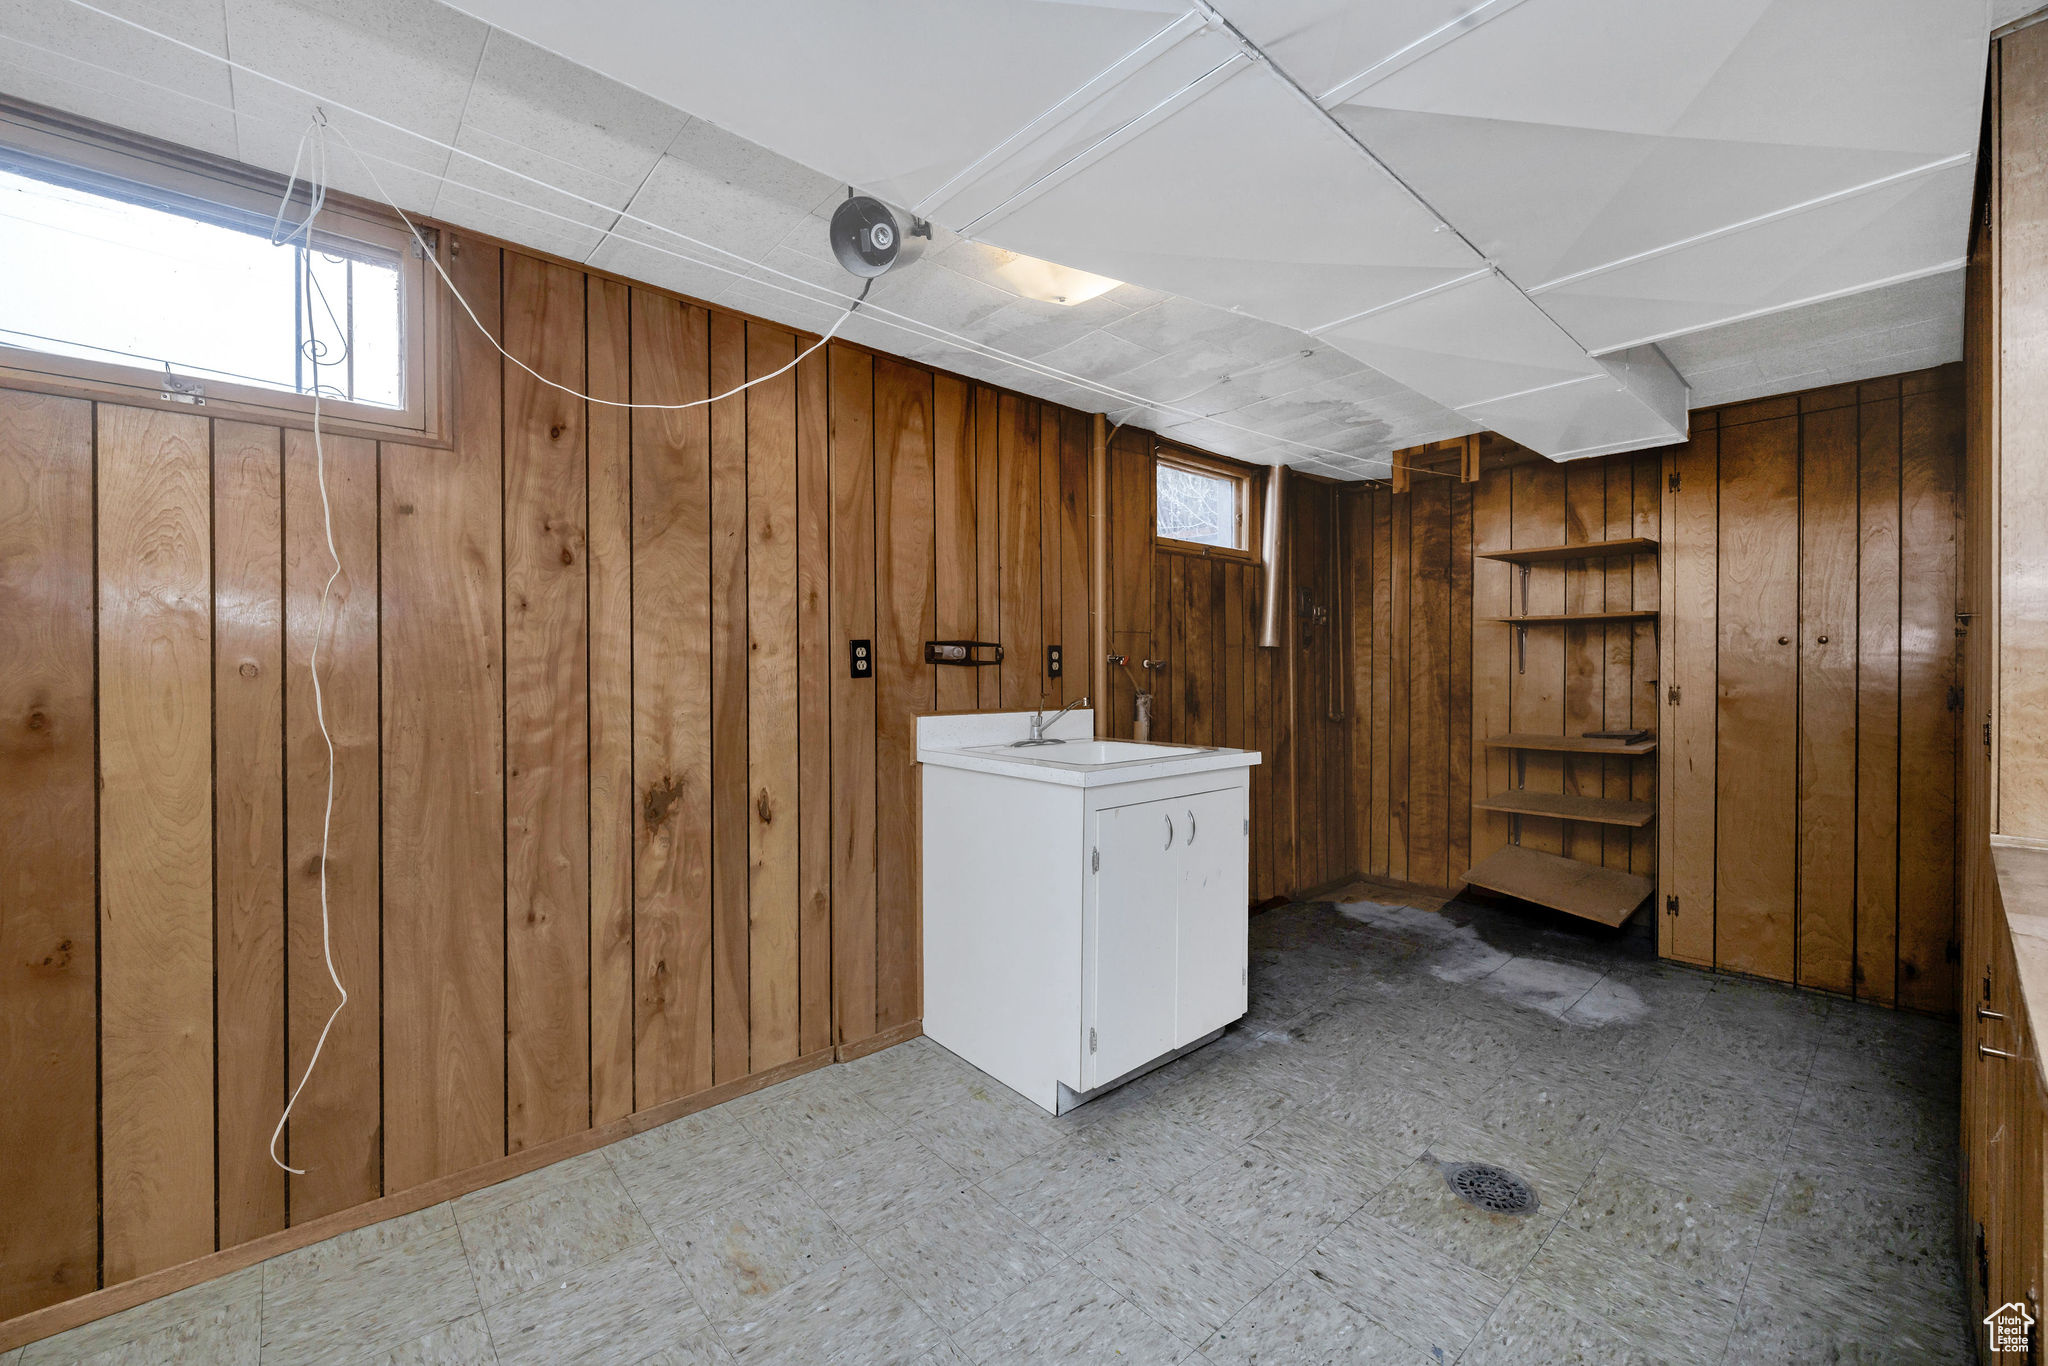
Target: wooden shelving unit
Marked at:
1568, 806
1602, 894
1555, 554
1571, 744
1582, 889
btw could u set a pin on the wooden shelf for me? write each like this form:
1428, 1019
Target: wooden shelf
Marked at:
1590, 550
1570, 744
1549, 618
1582, 889
1567, 806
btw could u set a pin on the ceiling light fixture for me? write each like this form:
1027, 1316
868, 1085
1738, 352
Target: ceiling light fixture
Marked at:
1053, 284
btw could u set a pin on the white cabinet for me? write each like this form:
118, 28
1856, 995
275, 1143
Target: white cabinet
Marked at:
1166, 927
1084, 913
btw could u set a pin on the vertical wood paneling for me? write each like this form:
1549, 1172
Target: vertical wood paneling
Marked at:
156, 839
1457, 740
954, 519
671, 702
1537, 688
1930, 453
1021, 629
547, 711
1584, 649
990, 427
731, 817
904, 684
1877, 703
1382, 668
337, 1129
441, 641
1400, 711
816, 660
1687, 740
774, 839
1050, 603
1492, 663
853, 699
1076, 441
608, 562
1644, 700
1430, 722
1756, 874
49, 1239
1828, 535
248, 822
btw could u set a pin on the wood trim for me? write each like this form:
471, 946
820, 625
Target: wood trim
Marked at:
875, 1043
42, 1323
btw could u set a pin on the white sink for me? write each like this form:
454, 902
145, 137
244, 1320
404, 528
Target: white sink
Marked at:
1088, 753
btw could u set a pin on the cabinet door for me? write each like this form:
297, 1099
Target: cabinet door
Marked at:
1131, 994
1213, 896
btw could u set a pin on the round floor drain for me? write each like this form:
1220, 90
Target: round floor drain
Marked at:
1493, 1189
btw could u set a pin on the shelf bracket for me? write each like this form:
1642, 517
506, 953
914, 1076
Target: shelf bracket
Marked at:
1521, 649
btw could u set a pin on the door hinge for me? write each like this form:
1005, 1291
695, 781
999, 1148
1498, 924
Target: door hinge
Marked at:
1671, 905
1091, 1038
1244, 977
1672, 694
1987, 732
1955, 697
1094, 860
1952, 952
1675, 481
1247, 825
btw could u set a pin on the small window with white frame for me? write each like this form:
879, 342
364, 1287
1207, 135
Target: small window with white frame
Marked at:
134, 272
1201, 503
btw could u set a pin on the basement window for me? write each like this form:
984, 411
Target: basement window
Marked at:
138, 280
1200, 503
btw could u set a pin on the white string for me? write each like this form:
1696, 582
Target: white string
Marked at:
315, 140
1127, 401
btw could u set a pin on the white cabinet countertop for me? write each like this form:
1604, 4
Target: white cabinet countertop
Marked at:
982, 743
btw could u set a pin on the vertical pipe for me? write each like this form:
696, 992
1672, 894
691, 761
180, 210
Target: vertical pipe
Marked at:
1271, 542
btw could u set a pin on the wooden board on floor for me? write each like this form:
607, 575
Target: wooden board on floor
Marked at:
1586, 890
1569, 744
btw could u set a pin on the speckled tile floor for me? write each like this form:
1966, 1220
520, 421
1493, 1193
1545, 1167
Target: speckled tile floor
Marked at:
1728, 1173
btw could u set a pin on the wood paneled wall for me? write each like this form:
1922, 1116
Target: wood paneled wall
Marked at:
613, 824
1809, 809
1196, 615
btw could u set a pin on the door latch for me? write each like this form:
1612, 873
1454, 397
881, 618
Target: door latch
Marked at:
1094, 860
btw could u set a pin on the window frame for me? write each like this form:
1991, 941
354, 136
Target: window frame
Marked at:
1241, 478
102, 160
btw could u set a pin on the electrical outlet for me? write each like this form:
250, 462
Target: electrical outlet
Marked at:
1052, 661
861, 658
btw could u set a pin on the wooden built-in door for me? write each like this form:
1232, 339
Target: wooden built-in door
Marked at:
1808, 650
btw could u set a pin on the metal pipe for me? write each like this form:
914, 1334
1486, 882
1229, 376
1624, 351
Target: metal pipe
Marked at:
1272, 540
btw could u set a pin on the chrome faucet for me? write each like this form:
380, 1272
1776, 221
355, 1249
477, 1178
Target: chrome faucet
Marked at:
1039, 724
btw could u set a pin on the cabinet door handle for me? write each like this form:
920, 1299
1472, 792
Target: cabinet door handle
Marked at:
1169, 832
1986, 1013
1191, 827
1994, 1052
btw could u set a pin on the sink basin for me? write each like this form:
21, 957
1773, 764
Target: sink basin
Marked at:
1089, 753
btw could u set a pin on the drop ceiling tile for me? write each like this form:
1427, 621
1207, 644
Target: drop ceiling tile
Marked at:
1325, 44
73, 41
364, 158
1576, 421
1901, 228
1245, 199
562, 124
1148, 85
2004, 12
408, 63
925, 89
1098, 355
1475, 341
636, 260
94, 92
502, 208
721, 199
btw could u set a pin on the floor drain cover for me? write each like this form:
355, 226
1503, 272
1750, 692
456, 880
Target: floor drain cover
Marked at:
1493, 1189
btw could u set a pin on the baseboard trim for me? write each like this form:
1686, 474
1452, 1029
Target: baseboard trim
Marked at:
38, 1324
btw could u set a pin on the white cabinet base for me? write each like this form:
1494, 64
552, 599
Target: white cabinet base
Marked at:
1070, 1098
1078, 933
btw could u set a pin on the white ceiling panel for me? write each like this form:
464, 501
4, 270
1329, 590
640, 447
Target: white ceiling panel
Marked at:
1905, 227
897, 98
1247, 199
1329, 45
1463, 345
